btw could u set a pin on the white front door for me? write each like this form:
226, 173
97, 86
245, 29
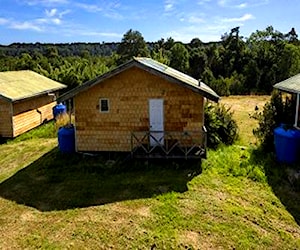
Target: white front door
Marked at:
156, 120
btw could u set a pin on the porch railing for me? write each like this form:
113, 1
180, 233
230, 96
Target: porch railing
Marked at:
168, 144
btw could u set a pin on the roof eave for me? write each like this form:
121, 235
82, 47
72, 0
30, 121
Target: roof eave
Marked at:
70, 94
288, 90
182, 83
131, 63
35, 95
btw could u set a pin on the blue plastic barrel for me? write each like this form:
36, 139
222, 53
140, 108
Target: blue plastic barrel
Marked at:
59, 109
287, 144
66, 139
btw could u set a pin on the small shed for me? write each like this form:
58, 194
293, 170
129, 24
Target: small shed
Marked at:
292, 86
26, 101
143, 107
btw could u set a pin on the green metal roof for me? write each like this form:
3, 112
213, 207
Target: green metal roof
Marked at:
153, 67
290, 85
18, 85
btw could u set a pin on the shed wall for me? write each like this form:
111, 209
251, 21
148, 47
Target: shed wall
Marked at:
129, 93
31, 113
5, 119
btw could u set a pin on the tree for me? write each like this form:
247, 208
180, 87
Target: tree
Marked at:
159, 52
198, 62
292, 36
195, 43
132, 44
232, 55
179, 57
267, 49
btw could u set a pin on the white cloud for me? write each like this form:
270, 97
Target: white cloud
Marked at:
222, 3
169, 5
51, 13
56, 21
241, 4
205, 32
61, 14
25, 26
195, 19
53, 17
243, 18
3, 21
89, 7
46, 2
201, 2
108, 10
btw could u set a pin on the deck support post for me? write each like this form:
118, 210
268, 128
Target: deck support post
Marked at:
297, 111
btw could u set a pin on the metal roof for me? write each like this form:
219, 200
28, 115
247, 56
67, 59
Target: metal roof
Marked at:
18, 85
177, 75
153, 67
291, 85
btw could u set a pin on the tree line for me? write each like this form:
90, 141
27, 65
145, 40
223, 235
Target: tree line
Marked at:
235, 65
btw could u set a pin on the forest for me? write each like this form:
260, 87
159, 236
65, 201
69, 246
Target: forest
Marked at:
234, 65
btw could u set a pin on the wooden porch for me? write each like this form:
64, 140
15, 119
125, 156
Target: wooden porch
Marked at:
168, 144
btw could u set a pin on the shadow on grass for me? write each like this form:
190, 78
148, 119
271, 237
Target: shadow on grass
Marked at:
58, 182
286, 189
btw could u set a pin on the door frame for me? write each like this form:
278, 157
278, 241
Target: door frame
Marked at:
158, 134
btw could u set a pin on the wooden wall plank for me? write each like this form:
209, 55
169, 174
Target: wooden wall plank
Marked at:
5, 119
28, 120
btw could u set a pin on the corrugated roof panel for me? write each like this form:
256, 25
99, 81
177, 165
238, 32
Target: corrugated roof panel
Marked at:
291, 84
176, 74
17, 85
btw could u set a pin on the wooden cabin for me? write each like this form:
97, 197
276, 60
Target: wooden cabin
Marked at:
26, 101
143, 107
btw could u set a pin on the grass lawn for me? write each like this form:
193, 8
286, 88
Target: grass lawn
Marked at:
238, 198
243, 108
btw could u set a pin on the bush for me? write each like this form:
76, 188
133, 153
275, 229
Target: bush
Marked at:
221, 127
278, 110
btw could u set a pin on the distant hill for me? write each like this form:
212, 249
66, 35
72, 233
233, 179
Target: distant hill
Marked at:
65, 49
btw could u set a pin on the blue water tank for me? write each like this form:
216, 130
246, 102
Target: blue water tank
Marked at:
66, 139
59, 109
287, 144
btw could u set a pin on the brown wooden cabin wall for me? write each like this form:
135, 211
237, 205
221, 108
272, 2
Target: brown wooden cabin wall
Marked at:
26, 115
129, 93
5, 119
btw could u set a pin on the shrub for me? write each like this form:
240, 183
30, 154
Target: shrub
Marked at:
278, 110
221, 127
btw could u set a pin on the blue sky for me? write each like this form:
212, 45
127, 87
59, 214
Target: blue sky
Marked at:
60, 21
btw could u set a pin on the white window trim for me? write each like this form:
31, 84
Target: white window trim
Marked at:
100, 106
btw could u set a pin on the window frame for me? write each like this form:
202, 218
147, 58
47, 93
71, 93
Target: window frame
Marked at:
101, 106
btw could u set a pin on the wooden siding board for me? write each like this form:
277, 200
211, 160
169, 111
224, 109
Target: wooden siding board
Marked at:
5, 119
128, 94
25, 121
33, 103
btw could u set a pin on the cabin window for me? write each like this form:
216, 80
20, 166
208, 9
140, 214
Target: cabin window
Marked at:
104, 105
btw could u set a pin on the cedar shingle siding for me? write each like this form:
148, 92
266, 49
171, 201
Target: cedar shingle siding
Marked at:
128, 93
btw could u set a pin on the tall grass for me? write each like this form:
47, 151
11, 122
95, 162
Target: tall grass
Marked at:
47, 130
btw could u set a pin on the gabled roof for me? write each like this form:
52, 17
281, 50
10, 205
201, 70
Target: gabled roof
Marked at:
290, 85
19, 85
153, 67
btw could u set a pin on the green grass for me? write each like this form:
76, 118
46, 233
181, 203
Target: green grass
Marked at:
238, 198
45, 131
